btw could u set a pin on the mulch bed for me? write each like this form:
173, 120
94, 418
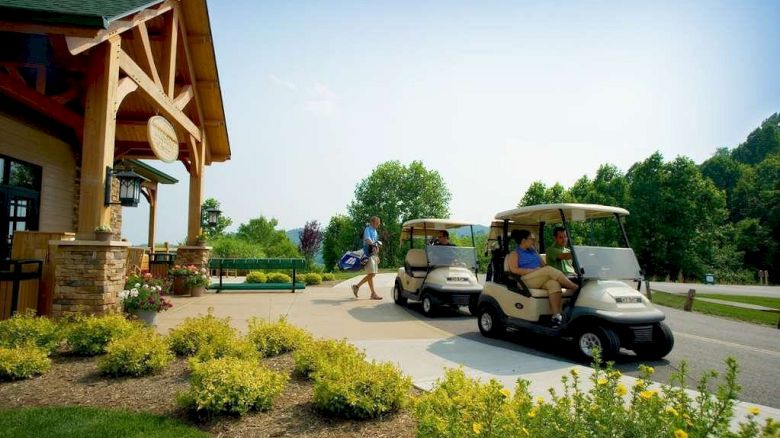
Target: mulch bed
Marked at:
77, 381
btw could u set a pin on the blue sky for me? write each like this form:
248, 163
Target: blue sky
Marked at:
492, 94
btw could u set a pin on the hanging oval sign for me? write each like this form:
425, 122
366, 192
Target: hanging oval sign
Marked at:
162, 139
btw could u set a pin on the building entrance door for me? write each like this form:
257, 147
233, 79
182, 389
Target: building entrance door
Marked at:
20, 200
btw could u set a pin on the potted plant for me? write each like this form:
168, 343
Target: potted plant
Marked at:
198, 281
144, 301
179, 274
104, 233
200, 240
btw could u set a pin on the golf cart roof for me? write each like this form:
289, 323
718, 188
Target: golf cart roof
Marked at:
423, 227
533, 214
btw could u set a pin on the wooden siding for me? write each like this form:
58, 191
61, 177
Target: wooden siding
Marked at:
18, 140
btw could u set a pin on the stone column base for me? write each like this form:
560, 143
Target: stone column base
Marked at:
193, 255
88, 276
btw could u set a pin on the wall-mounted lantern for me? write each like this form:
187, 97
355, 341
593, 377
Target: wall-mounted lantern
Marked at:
129, 187
212, 216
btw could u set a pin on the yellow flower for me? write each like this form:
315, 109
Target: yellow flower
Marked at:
621, 390
639, 383
651, 370
532, 412
505, 392
574, 372
476, 427
679, 433
671, 410
647, 395
615, 374
754, 410
539, 400
601, 381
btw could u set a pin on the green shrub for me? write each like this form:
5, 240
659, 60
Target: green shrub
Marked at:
232, 385
278, 277
139, 353
226, 247
354, 388
312, 278
195, 333
27, 329
463, 407
89, 336
315, 355
23, 362
256, 277
233, 347
273, 339
328, 276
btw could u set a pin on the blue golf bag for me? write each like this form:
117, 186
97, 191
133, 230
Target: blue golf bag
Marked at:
353, 260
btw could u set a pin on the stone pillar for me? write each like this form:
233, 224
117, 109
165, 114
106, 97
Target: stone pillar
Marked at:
193, 255
88, 276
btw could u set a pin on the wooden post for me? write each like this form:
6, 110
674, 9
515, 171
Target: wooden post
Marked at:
689, 301
152, 217
99, 132
196, 193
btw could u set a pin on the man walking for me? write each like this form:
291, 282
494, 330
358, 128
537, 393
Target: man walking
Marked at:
371, 249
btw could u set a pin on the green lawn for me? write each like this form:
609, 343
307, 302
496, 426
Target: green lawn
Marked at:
754, 316
74, 421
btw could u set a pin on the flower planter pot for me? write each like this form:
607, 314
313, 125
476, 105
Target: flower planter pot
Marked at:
197, 291
104, 236
180, 285
147, 316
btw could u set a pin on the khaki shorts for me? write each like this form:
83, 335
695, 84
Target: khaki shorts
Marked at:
372, 266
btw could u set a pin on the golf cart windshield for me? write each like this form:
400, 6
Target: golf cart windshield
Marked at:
440, 256
604, 263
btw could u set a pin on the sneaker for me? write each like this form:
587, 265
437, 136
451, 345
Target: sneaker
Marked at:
556, 320
355, 290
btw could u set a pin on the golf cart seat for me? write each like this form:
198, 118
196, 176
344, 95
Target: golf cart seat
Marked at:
536, 293
416, 263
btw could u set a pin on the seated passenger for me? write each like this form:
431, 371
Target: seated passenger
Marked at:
558, 255
525, 261
443, 239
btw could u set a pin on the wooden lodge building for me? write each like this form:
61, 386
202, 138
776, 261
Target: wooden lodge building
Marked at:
87, 88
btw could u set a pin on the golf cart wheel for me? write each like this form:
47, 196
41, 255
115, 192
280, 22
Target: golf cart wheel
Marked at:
427, 306
663, 342
490, 325
597, 336
473, 306
397, 295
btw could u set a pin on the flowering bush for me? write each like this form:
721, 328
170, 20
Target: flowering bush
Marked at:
88, 336
278, 277
312, 278
328, 276
315, 355
179, 270
27, 329
463, 407
232, 385
197, 277
144, 296
23, 362
141, 352
256, 277
273, 339
196, 333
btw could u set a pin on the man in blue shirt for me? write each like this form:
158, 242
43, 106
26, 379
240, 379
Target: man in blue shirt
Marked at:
371, 247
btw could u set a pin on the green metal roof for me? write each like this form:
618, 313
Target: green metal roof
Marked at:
150, 172
88, 13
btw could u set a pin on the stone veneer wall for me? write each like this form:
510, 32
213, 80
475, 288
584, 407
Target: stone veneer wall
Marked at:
116, 211
88, 277
193, 255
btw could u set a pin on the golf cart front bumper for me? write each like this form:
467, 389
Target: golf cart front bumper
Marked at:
623, 318
454, 296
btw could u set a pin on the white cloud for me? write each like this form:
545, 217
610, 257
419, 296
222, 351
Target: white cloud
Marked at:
287, 84
324, 101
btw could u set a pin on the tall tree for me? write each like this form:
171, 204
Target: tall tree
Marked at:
397, 193
263, 232
340, 236
760, 143
311, 240
222, 223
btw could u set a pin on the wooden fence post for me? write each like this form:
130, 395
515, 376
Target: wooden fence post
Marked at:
689, 302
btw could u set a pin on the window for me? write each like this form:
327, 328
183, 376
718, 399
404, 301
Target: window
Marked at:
20, 190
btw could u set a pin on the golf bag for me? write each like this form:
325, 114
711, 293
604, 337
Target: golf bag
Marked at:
353, 260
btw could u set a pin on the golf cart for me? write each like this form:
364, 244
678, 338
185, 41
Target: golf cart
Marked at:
436, 275
604, 312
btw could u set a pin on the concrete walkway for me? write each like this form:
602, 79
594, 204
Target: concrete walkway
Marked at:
389, 332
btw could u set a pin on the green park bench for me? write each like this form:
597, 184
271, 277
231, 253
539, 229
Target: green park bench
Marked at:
253, 264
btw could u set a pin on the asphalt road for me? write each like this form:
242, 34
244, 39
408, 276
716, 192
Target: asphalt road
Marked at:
703, 342
682, 288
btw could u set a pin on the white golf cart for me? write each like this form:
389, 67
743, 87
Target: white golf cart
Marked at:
604, 312
436, 275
